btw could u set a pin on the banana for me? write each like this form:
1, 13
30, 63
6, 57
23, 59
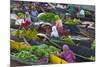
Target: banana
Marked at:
17, 45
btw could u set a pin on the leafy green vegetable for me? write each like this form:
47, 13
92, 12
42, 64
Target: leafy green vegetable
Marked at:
43, 53
72, 21
35, 54
21, 15
53, 49
44, 46
93, 45
47, 17
43, 50
68, 40
34, 48
25, 55
25, 49
56, 17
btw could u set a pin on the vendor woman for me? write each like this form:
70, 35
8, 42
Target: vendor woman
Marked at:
59, 26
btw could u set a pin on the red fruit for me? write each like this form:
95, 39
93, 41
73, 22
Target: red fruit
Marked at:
26, 23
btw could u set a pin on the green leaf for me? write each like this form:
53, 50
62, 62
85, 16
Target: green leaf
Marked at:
72, 21
93, 45
68, 40
47, 17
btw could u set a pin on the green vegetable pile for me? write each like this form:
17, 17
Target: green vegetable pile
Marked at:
47, 17
27, 56
21, 15
43, 50
35, 53
72, 21
56, 17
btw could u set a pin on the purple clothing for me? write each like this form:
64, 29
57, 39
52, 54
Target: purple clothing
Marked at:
34, 13
68, 57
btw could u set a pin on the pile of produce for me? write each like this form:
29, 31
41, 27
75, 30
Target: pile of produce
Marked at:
72, 21
31, 34
27, 56
35, 54
18, 46
21, 15
68, 40
56, 17
46, 17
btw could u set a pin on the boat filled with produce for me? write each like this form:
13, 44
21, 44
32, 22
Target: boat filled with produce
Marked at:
51, 33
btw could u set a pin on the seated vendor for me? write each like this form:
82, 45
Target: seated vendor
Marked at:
67, 54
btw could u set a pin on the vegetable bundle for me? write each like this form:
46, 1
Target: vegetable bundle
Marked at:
47, 17
72, 21
31, 34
